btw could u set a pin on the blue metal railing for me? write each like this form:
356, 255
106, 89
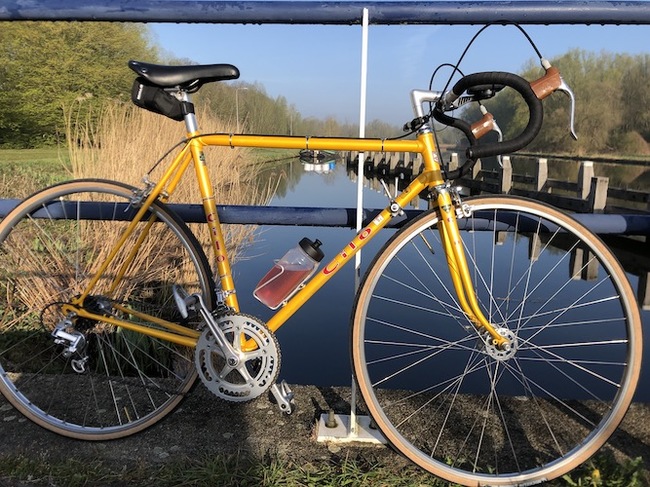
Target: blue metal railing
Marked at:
333, 13
603, 224
340, 13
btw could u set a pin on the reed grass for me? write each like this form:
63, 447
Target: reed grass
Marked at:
123, 145
127, 142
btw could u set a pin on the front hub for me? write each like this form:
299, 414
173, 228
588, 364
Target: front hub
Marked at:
505, 351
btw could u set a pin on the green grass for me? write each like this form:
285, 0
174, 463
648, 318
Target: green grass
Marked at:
237, 470
273, 157
25, 170
43, 155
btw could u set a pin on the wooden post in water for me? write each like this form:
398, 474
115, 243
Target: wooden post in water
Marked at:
417, 164
476, 169
598, 193
506, 175
583, 265
453, 161
592, 189
406, 157
585, 174
541, 178
535, 246
393, 161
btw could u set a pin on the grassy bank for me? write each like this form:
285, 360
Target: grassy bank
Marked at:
22, 171
242, 472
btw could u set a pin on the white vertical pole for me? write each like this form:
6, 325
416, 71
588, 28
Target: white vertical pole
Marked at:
362, 133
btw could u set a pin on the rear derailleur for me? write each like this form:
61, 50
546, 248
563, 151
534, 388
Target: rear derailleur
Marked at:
73, 343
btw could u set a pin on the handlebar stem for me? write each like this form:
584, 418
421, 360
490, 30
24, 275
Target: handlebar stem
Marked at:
419, 97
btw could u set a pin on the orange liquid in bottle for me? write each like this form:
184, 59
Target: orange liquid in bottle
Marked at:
277, 285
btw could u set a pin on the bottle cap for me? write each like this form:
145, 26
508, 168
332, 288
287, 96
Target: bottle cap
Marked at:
312, 249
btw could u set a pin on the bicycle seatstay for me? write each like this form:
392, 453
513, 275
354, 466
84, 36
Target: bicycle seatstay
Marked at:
173, 174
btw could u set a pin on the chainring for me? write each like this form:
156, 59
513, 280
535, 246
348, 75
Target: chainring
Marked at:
255, 371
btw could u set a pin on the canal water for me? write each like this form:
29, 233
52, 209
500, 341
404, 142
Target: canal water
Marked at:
315, 341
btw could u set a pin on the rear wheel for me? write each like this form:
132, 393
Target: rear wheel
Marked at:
466, 411
94, 380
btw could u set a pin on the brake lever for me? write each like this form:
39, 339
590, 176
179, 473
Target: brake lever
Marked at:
564, 88
551, 82
497, 129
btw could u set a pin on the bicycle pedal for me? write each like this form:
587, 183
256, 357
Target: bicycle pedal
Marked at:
283, 397
184, 301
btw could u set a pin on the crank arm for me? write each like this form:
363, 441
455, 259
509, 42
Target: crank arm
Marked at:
283, 397
187, 302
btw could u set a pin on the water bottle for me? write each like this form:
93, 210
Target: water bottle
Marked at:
289, 273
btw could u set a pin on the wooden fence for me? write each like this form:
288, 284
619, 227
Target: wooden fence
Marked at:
588, 194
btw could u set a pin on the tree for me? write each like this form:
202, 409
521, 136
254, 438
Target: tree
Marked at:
635, 97
49, 65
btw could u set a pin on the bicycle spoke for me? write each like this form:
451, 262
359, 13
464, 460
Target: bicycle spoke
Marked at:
115, 381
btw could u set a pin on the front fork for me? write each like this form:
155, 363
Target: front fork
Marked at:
456, 261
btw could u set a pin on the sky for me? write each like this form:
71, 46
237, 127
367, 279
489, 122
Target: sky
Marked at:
317, 68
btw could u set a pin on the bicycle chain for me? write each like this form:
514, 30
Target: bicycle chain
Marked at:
85, 330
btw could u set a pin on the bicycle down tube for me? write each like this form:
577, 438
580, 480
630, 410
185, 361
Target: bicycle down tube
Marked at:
430, 179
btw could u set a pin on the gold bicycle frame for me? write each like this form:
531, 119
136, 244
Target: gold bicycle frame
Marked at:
429, 179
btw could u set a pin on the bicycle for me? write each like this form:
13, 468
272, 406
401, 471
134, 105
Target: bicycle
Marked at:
525, 368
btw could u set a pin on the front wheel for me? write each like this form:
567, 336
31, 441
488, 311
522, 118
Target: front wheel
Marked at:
79, 377
466, 411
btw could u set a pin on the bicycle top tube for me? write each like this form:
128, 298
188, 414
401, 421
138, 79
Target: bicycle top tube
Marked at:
314, 143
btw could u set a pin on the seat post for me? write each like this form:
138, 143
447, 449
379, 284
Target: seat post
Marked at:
191, 123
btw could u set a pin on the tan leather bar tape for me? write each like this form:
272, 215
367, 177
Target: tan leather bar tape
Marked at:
483, 126
548, 83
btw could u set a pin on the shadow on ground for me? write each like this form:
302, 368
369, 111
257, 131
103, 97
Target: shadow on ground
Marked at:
207, 425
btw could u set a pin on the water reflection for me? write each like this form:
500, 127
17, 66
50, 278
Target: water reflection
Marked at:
315, 341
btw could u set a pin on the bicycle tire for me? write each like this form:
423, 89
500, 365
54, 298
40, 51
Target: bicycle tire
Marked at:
49, 248
463, 410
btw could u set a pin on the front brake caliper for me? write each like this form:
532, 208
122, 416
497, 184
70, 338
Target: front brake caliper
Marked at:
463, 210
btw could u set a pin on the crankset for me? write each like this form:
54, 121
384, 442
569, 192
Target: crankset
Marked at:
249, 371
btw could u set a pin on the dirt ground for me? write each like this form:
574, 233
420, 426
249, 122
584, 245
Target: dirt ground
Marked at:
204, 424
